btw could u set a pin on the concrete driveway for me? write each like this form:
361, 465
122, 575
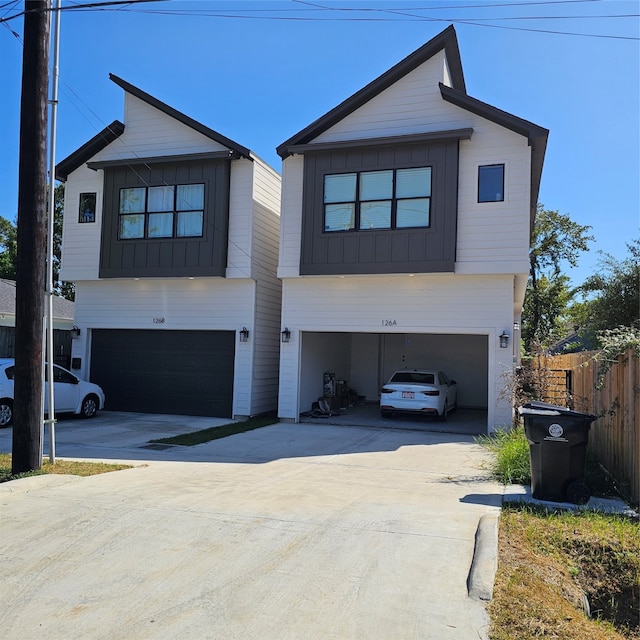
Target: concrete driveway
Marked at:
286, 532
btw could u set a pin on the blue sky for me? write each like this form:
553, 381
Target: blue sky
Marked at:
258, 72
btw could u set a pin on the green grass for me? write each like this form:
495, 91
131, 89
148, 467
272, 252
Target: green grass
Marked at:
214, 433
511, 463
63, 467
511, 455
566, 575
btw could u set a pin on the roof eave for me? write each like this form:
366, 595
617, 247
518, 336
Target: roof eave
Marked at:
446, 40
181, 117
88, 150
536, 135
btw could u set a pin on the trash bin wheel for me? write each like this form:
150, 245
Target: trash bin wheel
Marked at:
578, 493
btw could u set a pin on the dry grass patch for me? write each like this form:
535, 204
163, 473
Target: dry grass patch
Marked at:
555, 566
63, 467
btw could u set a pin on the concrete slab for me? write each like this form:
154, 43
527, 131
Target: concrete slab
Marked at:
289, 531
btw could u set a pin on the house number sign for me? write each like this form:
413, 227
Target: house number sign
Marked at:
389, 323
158, 321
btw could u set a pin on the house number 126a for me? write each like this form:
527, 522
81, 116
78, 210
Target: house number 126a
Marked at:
158, 321
389, 323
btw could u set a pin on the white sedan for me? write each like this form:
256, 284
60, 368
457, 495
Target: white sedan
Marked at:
418, 391
71, 395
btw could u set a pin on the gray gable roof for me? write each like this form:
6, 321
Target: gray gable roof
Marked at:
446, 40
62, 309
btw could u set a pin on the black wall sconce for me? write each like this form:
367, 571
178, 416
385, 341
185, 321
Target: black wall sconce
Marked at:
504, 340
244, 334
286, 335
75, 331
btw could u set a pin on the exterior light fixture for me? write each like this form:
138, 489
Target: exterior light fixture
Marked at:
286, 335
504, 340
244, 334
75, 331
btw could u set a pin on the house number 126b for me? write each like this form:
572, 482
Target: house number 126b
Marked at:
389, 323
158, 321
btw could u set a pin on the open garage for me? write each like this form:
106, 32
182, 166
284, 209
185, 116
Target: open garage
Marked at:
174, 372
365, 361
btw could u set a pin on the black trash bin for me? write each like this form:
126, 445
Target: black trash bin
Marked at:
558, 439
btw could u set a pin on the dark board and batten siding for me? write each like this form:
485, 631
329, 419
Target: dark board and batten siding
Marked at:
426, 250
167, 257
172, 372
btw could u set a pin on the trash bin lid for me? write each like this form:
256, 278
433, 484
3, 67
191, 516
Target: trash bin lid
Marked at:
545, 409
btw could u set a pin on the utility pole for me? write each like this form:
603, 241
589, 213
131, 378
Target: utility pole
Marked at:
31, 239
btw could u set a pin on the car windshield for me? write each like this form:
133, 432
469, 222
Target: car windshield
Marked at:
414, 377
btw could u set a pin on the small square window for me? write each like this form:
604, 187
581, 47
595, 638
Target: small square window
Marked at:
87, 210
491, 183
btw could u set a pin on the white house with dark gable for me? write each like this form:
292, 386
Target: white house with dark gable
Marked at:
171, 235
404, 237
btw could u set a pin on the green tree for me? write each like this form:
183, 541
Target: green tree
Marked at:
8, 247
65, 289
612, 296
556, 240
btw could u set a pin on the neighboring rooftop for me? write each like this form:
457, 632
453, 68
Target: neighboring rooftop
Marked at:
62, 309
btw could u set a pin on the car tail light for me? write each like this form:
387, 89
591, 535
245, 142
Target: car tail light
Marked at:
430, 393
385, 390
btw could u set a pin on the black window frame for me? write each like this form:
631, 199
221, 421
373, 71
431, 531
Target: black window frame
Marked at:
490, 166
146, 213
87, 203
393, 200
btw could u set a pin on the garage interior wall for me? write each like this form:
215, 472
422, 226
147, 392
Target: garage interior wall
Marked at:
367, 360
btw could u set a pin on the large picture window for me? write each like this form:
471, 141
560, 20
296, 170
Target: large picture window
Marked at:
388, 199
168, 211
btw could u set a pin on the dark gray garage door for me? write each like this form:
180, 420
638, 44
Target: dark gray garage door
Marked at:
175, 372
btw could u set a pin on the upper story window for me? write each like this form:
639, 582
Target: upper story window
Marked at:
87, 209
491, 183
389, 199
168, 211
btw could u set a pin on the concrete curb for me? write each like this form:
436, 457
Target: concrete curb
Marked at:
485, 559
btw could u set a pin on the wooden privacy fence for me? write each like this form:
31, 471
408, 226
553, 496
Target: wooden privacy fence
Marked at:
572, 380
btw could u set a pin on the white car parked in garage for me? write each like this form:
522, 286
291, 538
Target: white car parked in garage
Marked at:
71, 395
419, 391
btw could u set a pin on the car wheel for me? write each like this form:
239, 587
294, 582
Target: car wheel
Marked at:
386, 414
6, 413
89, 407
445, 412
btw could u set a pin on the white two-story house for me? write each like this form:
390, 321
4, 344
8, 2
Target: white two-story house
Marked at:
171, 235
404, 238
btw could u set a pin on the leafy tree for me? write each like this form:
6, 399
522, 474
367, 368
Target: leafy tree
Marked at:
8, 247
556, 239
613, 294
65, 289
